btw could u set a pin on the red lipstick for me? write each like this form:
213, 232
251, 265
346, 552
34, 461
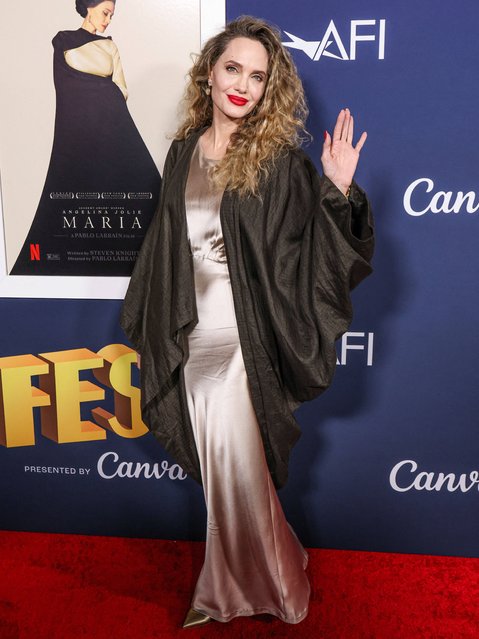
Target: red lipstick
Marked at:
235, 99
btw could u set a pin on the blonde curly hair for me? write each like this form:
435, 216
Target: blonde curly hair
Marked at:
276, 123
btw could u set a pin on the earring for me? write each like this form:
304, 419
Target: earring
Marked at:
208, 88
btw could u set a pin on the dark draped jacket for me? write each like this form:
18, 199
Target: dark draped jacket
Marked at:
294, 254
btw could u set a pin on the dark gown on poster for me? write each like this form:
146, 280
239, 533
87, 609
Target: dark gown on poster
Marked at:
102, 184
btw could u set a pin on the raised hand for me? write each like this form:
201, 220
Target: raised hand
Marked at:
340, 157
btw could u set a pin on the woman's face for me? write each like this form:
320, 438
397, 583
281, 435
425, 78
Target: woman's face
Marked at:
100, 16
238, 79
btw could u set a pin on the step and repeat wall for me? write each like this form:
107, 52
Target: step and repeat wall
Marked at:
389, 456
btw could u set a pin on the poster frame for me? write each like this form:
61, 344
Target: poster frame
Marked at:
212, 19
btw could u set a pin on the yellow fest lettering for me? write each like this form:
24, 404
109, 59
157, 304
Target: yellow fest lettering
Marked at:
116, 373
62, 393
61, 420
18, 397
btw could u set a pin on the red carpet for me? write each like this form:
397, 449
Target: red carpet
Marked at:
73, 586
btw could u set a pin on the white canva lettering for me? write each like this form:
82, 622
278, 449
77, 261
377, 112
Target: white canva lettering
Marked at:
440, 202
136, 470
431, 481
471, 206
424, 481
445, 479
124, 470
176, 472
462, 483
396, 469
408, 193
450, 478
148, 472
100, 462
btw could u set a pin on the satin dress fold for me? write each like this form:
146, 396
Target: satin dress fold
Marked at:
254, 562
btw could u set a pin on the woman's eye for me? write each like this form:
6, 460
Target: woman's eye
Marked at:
258, 77
231, 68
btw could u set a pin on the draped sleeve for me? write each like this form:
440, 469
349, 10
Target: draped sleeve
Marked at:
158, 305
317, 246
134, 313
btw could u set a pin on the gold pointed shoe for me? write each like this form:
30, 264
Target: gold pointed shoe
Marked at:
195, 618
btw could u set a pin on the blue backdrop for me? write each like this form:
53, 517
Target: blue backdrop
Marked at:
389, 457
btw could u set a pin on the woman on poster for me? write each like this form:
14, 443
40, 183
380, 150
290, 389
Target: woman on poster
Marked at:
241, 289
102, 184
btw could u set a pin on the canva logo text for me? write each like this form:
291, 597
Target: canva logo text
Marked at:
417, 200
405, 476
109, 466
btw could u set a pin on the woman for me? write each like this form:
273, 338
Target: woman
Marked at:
237, 298
102, 184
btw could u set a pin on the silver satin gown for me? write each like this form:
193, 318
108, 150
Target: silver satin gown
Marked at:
254, 563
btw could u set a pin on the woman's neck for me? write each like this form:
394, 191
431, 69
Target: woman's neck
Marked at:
87, 25
215, 140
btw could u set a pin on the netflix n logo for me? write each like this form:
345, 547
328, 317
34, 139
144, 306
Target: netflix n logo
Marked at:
34, 252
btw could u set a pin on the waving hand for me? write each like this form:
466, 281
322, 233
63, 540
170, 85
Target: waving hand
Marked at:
340, 157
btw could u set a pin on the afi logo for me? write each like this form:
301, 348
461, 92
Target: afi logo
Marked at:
332, 46
34, 252
356, 342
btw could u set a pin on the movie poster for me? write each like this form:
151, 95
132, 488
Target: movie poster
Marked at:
83, 136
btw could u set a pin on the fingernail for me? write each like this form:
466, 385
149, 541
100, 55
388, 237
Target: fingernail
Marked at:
325, 134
